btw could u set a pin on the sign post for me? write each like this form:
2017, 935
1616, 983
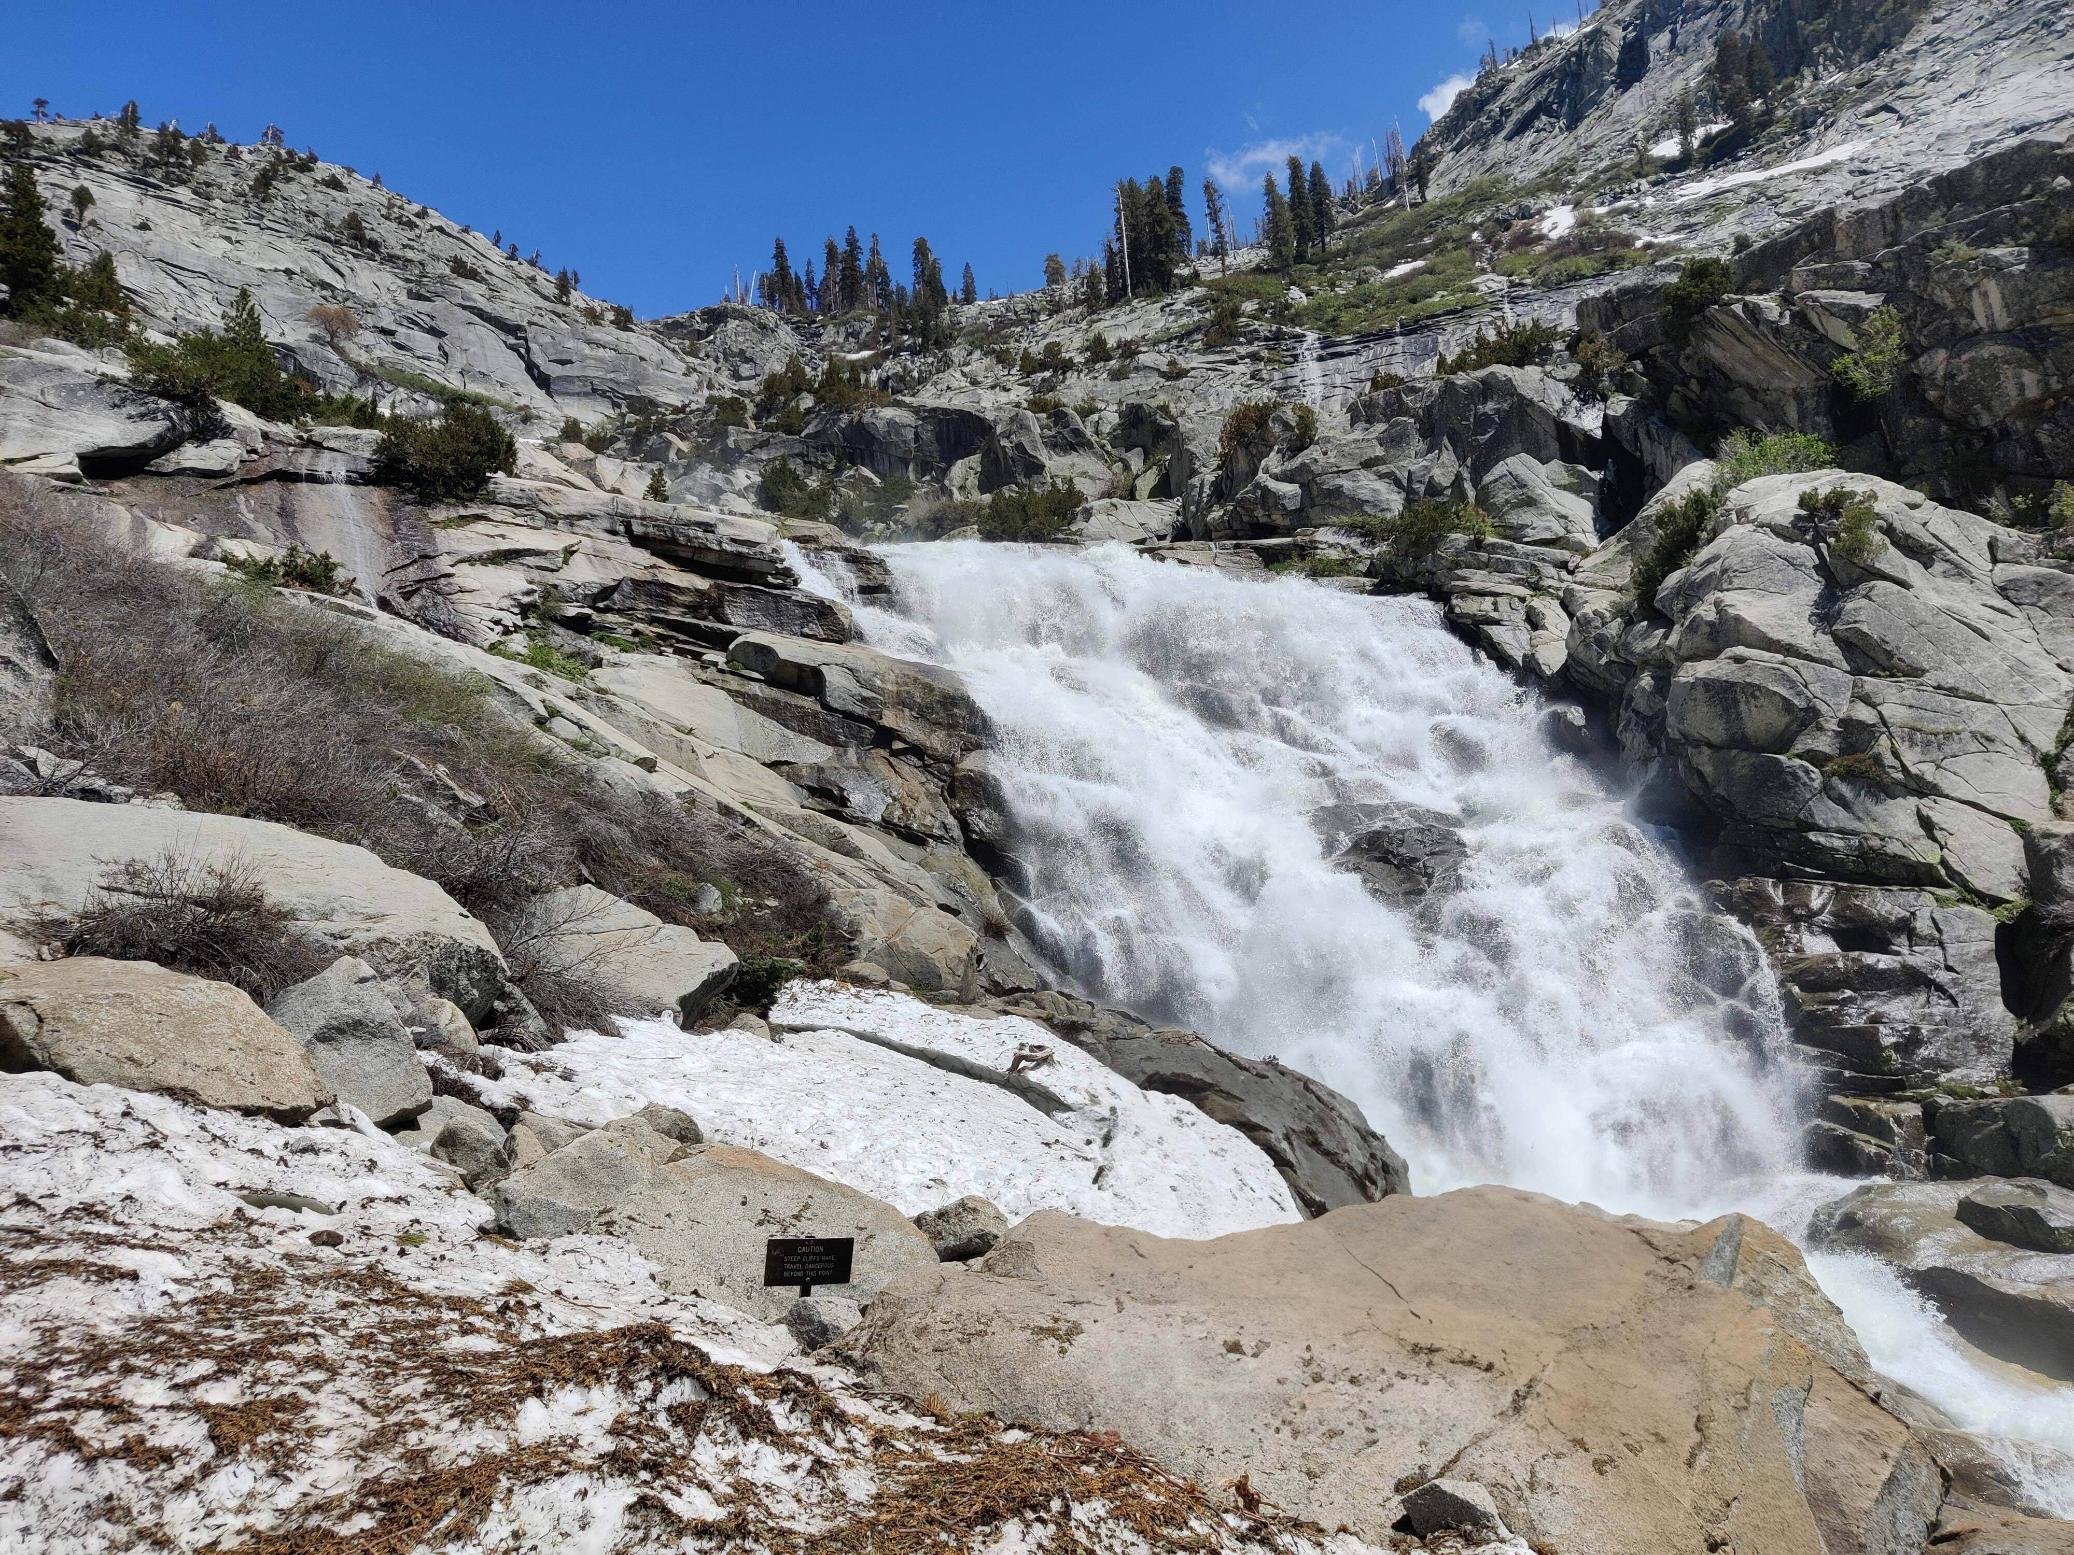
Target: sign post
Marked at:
807, 1261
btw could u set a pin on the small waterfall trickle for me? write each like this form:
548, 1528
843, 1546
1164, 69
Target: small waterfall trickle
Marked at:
1310, 371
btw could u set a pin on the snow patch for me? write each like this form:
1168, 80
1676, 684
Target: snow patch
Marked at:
1406, 268
918, 1106
1562, 219
1711, 186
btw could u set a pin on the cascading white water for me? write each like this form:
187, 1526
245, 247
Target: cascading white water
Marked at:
1571, 1019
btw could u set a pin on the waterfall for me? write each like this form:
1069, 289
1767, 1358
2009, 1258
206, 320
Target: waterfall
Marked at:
1310, 371
1571, 1017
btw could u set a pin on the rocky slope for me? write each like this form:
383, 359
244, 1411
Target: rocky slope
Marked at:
636, 750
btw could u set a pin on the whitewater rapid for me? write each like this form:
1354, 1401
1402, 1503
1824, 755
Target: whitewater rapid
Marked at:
1572, 1018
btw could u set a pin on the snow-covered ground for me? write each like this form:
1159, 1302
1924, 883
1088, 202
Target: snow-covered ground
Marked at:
1405, 267
918, 1106
1701, 188
1670, 145
218, 1332
1557, 221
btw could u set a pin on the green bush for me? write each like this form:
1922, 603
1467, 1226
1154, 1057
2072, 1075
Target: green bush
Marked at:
1244, 424
782, 489
319, 572
1599, 361
1869, 371
1742, 457
1029, 513
727, 410
1225, 317
1851, 522
1511, 345
1306, 428
447, 459
1679, 530
2060, 511
1380, 380
1420, 528
234, 364
1701, 284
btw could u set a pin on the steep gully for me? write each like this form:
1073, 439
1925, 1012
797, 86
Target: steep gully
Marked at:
1562, 1013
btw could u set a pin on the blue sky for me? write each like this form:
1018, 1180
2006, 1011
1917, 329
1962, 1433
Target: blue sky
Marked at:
653, 147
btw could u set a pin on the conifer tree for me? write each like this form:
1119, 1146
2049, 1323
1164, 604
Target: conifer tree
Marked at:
1688, 124
809, 291
658, 488
1301, 232
1421, 166
850, 285
1054, 272
968, 290
1732, 78
1177, 211
831, 268
878, 278
777, 282
1321, 204
1279, 229
1214, 213
130, 121
29, 267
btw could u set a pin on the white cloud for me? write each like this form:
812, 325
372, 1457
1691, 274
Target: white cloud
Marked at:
1435, 103
1472, 31
1246, 166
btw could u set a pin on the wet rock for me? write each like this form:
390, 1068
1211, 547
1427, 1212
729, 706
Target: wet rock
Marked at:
1400, 851
1865, 1136
2023, 1213
1316, 1138
2012, 1302
2014, 1136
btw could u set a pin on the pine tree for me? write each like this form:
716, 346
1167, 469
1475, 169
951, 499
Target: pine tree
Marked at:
29, 267
1688, 124
850, 288
658, 488
82, 202
968, 290
1301, 232
1764, 80
1321, 204
1054, 272
41, 108
831, 267
1280, 229
1421, 166
130, 121
1732, 78
878, 278
561, 286
1214, 213
1177, 210
778, 283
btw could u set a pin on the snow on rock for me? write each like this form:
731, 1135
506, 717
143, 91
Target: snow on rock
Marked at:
918, 1106
1705, 187
1671, 145
1557, 221
182, 1367
1406, 267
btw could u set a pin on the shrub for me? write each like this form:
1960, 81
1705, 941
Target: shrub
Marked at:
1098, 348
782, 387
243, 702
571, 432
1244, 424
2060, 511
1511, 345
1851, 520
782, 489
758, 979
1742, 457
211, 919
727, 410
1679, 529
1306, 428
234, 363
1225, 317
1869, 371
1420, 528
1599, 361
448, 458
1379, 380
1701, 284
318, 572
1029, 513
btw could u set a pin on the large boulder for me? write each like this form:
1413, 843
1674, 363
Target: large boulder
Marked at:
2011, 1301
2008, 1136
141, 1027
54, 853
1613, 1385
648, 966
702, 1212
351, 1030
65, 417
